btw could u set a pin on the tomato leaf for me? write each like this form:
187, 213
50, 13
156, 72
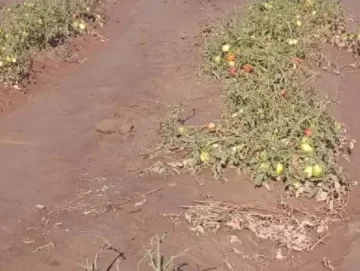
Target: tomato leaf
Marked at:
259, 179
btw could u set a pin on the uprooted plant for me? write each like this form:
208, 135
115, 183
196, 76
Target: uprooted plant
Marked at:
275, 125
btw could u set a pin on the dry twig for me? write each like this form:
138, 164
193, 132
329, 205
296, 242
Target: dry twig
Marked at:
158, 261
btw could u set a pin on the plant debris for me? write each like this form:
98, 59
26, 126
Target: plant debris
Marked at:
156, 259
286, 226
327, 264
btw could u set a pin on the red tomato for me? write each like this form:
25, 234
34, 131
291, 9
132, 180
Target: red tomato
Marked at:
297, 60
283, 93
307, 132
233, 71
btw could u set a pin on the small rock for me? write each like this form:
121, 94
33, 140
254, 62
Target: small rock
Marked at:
107, 126
234, 239
87, 212
279, 255
111, 126
321, 228
40, 206
267, 186
126, 128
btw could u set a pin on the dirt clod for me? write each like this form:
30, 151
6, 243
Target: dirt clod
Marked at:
111, 126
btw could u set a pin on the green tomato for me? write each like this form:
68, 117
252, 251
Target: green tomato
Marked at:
308, 171
279, 169
217, 59
305, 139
82, 26
317, 170
182, 130
306, 148
204, 156
225, 48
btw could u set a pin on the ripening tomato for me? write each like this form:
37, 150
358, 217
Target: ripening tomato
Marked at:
211, 126
230, 57
248, 68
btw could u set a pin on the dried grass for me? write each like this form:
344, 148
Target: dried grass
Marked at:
156, 259
288, 227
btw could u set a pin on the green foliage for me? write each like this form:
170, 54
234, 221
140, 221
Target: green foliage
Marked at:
273, 118
37, 24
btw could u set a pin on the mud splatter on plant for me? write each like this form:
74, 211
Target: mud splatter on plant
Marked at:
275, 125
